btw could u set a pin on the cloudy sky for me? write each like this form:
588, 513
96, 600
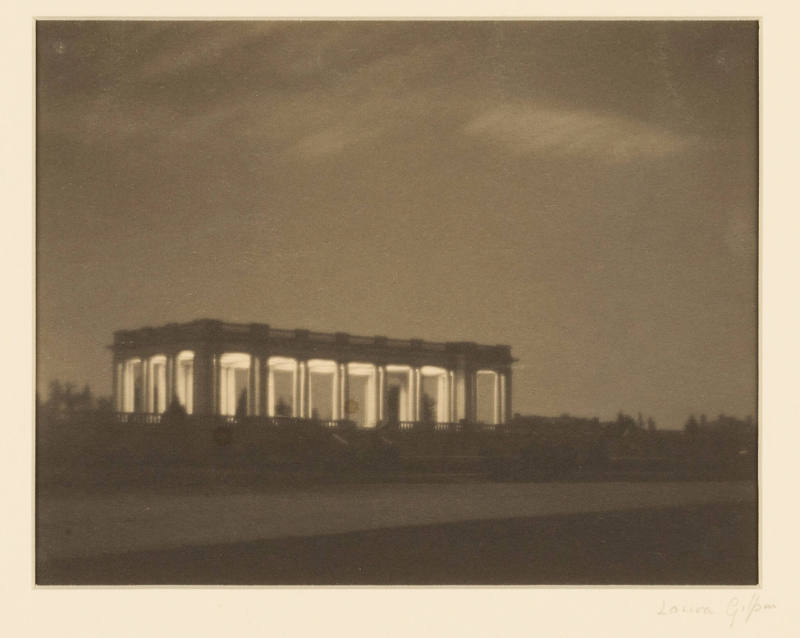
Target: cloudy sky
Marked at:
585, 192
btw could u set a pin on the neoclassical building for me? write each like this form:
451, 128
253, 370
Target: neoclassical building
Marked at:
217, 368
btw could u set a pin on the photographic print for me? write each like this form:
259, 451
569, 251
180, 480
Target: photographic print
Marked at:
361, 302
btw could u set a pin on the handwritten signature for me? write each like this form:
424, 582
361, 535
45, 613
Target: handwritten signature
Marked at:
737, 610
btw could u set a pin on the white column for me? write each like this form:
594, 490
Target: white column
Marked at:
295, 390
252, 372
161, 380
155, 374
336, 410
305, 390
417, 394
345, 391
411, 401
119, 387
496, 403
130, 388
502, 407
231, 399
270, 391
188, 392
125, 383
300, 390
382, 387
451, 396
441, 398
373, 398
404, 401
146, 385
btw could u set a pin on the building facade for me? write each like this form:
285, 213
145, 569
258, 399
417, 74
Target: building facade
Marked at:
215, 368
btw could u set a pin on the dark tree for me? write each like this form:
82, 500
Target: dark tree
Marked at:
282, 408
427, 409
84, 401
241, 404
625, 424
104, 404
175, 411
56, 391
691, 427
64, 399
69, 397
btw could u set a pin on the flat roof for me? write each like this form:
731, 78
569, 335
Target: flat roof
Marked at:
255, 334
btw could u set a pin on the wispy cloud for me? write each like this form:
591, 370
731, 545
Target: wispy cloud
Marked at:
215, 43
528, 128
330, 141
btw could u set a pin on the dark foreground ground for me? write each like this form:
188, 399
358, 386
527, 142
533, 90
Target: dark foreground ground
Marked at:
712, 544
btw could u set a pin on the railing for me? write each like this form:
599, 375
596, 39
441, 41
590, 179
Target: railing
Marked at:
447, 427
137, 417
338, 424
327, 424
281, 421
439, 426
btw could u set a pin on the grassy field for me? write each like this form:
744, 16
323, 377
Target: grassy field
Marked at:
693, 545
463, 533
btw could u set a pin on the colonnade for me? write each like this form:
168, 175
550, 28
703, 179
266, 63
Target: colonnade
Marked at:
239, 383
147, 384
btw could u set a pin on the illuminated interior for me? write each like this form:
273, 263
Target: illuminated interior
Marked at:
184, 381
360, 402
132, 398
234, 380
157, 384
282, 385
435, 384
398, 395
322, 391
233, 375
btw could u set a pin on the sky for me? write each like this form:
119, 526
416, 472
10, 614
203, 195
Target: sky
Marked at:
585, 192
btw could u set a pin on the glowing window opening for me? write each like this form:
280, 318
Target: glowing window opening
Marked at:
234, 383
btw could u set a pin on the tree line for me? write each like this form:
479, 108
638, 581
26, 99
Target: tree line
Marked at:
64, 399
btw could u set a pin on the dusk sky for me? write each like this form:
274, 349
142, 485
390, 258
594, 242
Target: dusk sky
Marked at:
585, 192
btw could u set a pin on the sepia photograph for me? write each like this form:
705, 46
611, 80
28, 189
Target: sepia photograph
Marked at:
329, 302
